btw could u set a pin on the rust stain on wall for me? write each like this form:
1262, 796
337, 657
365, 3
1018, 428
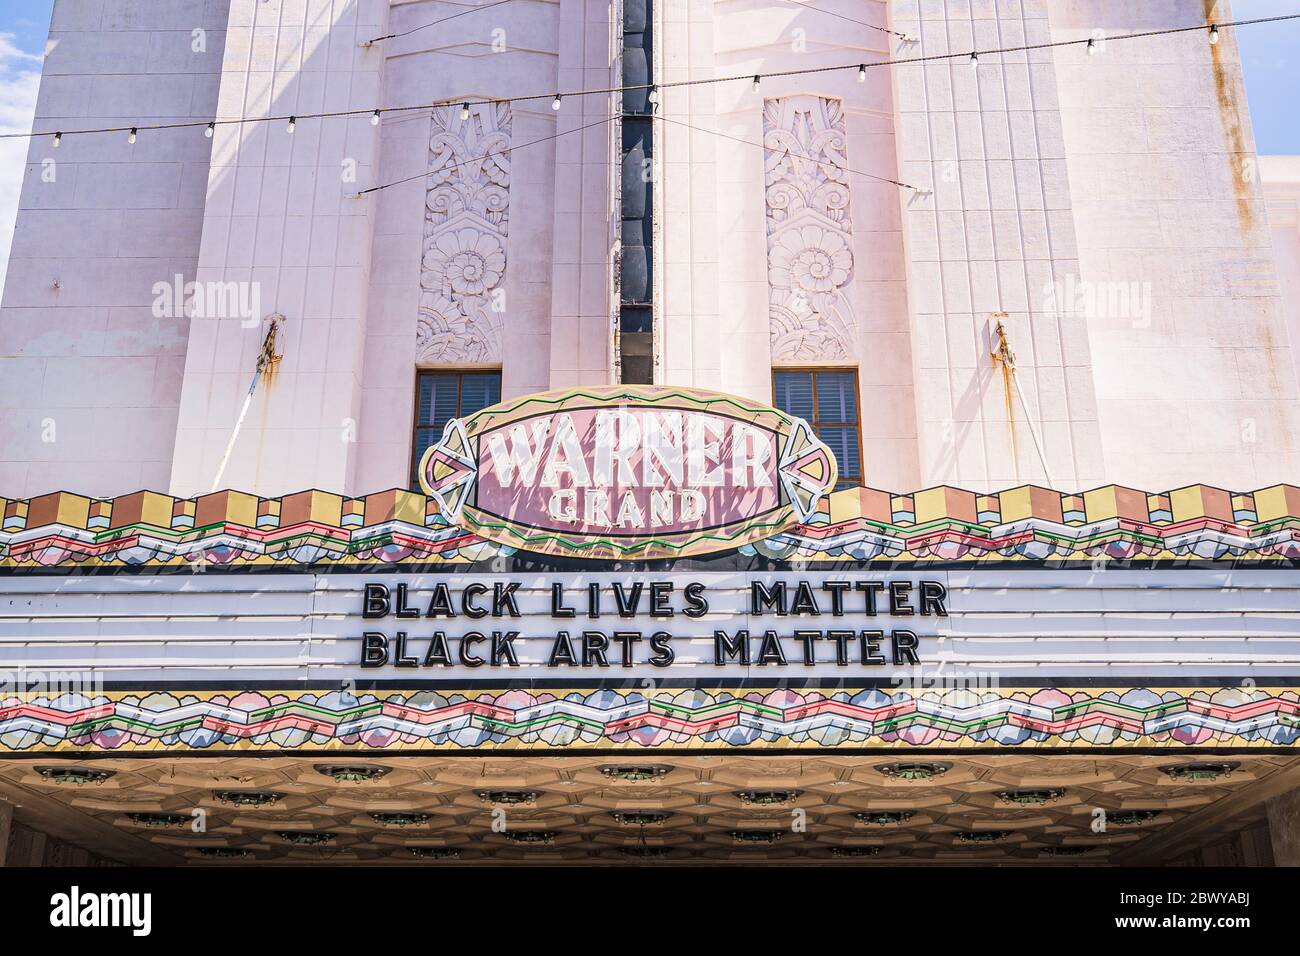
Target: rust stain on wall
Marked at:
1225, 91
268, 359
1004, 360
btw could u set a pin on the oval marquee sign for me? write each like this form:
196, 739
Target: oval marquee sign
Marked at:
628, 471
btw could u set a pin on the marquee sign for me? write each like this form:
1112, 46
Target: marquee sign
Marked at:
628, 471
725, 657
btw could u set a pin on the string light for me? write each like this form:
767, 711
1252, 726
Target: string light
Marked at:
974, 58
756, 81
653, 95
464, 111
862, 73
1092, 46
293, 124
374, 118
130, 137
1213, 30
212, 128
58, 138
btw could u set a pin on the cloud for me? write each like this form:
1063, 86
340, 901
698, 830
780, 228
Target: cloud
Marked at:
20, 79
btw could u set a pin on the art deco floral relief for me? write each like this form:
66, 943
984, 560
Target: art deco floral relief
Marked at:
466, 221
809, 231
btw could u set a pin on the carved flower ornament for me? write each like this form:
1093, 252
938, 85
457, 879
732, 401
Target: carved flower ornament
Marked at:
812, 259
465, 263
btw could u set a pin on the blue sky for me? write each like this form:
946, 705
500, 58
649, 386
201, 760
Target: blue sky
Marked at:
1270, 61
23, 28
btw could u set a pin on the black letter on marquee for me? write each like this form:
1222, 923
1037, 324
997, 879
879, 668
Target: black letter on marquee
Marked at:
627, 639
697, 605
804, 602
898, 598
557, 602
627, 603
870, 588
466, 658
725, 647
660, 591
841, 639
562, 652
503, 599
933, 594
401, 609
837, 589
472, 611
871, 647
400, 658
770, 651
440, 603
810, 639
438, 653
905, 645
594, 645
663, 653
376, 601
761, 597
503, 646
374, 649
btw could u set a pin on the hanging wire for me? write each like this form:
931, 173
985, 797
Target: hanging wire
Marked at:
861, 23
478, 159
553, 95
425, 26
817, 162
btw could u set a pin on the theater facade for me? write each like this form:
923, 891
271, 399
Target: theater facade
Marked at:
864, 465
772, 670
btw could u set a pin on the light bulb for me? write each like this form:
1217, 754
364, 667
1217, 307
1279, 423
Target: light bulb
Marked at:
210, 130
555, 103
756, 80
130, 137
974, 58
862, 73
58, 138
1092, 46
293, 124
464, 111
374, 118
1214, 33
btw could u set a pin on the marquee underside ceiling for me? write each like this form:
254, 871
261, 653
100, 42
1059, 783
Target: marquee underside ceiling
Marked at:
717, 809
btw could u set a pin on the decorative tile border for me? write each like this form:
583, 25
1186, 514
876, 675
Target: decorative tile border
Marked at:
697, 718
1029, 523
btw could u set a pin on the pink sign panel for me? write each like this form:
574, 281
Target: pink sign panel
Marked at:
628, 471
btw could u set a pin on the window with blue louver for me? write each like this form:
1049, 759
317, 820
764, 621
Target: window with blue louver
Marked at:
828, 400
441, 396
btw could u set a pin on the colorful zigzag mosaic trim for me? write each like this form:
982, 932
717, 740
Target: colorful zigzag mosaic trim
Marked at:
1028, 523
515, 718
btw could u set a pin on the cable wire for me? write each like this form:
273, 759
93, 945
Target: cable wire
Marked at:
560, 94
816, 162
861, 23
407, 33
479, 159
